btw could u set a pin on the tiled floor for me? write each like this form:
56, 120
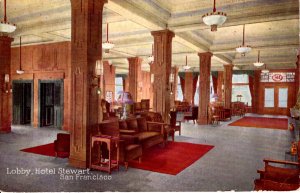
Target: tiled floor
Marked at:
230, 165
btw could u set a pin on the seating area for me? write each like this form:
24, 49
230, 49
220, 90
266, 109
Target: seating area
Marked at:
282, 177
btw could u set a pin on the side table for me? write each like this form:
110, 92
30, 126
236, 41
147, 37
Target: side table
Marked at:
103, 164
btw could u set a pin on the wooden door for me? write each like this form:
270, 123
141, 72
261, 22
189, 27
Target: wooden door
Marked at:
22, 103
277, 100
51, 103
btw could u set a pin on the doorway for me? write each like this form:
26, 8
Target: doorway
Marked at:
22, 102
51, 103
276, 100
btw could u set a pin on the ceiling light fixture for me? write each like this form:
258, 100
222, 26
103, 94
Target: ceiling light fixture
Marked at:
243, 49
265, 70
213, 19
5, 26
258, 63
20, 71
186, 67
107, 45
150, 59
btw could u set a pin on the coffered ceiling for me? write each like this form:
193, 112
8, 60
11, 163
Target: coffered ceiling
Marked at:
271, 26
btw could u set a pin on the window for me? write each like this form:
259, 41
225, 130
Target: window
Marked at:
278, 77
179, 90
240, 86
269, 97
196, 97
197, 94
118, 87
282, 97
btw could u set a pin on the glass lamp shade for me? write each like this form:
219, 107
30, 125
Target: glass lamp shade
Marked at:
6, 78
125, 98
214, 19
186, 67
243, 49
152, 78
171, 78
7, 27
99, 68
150, 59
20, 71
107, 46
258, 64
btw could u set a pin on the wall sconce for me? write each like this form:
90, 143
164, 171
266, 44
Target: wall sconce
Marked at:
98, 73
152, 78
171, 81
6, 86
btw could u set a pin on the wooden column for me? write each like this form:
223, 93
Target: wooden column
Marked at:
256, 84
220, 84
86, 45
297, 75
109, 76
161, 69
173, 96
5, 92
135, 79
188, 87
204, 87
228, 68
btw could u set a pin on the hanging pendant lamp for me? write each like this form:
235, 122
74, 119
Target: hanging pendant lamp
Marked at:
107, 45
5, 26
265, 70
186, 67
20, 71
243, 49
258, 63
213, 19
150, 59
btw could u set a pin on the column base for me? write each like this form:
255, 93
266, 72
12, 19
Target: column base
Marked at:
202, 121
5, 130
77, 163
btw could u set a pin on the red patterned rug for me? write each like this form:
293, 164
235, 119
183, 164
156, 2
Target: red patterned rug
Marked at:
262, 122
47, 149
172, 159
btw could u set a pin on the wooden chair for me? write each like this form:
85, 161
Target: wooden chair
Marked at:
279, 178
174, 124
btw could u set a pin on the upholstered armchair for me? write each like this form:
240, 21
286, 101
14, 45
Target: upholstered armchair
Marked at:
62, 145
194, 115
156, 122
107, 114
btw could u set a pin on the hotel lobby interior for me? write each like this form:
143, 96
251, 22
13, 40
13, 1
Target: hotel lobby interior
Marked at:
149, 95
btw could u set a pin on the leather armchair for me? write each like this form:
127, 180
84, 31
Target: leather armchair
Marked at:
62, 145
194, 115
156, 123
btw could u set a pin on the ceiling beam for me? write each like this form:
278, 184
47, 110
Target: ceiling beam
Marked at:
140, 17
238, 21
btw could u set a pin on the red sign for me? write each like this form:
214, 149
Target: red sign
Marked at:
277, 77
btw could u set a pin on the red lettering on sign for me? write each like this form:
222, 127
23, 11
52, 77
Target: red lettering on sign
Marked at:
277, 77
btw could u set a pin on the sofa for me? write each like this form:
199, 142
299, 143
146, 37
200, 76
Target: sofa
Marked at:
141, 129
